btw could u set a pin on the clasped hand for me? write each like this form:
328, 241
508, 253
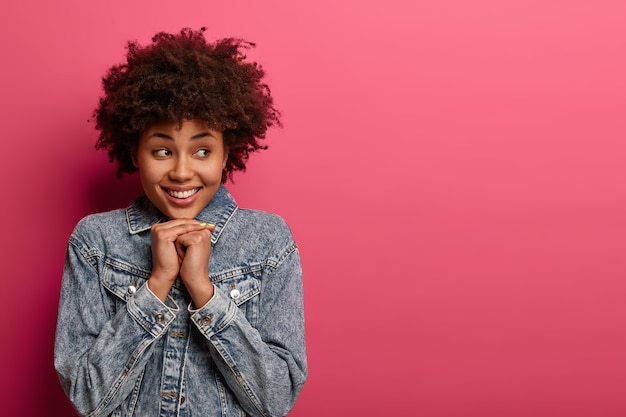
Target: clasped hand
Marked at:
182, 247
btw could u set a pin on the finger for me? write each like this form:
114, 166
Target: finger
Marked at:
182, 222
172, 230
194, 238
178, 227
180, 250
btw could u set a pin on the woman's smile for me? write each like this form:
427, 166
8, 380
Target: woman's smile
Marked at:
181, 165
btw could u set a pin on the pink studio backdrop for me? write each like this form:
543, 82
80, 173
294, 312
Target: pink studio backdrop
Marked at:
452, 170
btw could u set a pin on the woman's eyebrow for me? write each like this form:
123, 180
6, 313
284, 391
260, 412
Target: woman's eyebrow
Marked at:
202, 135
162, 135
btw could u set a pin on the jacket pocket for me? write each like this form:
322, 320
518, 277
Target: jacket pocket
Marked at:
243, 286
121, 280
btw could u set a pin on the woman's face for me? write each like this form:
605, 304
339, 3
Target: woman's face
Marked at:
180, 166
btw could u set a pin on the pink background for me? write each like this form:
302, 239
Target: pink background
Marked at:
452, 170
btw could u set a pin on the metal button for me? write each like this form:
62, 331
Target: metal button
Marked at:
160, 318
234, 292
131, 290
182, 399
206, 320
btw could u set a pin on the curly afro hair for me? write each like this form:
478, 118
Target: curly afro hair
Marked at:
182, 77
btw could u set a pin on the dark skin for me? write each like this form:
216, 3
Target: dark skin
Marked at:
181, 247
181, 169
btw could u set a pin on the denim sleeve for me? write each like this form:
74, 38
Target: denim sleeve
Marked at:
266, 366
99, 355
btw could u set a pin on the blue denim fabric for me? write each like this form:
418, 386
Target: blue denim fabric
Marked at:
120, 351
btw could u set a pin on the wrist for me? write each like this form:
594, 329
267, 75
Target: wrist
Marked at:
159, 287
201, 293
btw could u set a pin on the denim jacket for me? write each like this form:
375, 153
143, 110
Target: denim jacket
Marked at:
120, 351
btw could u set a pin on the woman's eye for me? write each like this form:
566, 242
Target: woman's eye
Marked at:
203, 153
161, 153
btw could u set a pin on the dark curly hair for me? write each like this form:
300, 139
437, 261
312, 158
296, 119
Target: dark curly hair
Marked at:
182, 77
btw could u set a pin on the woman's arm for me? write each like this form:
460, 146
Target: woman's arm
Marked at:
266, 366
99, 355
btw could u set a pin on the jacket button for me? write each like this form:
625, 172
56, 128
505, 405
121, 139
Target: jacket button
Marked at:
182, 399
234, 292
206, 320
160, 318
131, 290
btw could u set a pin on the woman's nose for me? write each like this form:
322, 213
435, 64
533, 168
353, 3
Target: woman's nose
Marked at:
181, 170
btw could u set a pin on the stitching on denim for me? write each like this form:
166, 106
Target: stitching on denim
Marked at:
275, 263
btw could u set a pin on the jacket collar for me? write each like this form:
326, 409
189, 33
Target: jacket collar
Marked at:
142, 214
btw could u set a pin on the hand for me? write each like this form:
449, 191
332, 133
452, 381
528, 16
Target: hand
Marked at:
180, 247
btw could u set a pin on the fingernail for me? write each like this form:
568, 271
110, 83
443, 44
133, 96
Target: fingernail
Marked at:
203, 224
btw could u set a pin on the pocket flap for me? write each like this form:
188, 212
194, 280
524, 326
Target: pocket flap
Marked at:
122, 279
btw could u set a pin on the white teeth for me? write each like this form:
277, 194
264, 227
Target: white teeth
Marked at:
183, 194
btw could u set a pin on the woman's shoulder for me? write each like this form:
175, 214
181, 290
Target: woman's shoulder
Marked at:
263, 227
259, 232
104, 223
261, 219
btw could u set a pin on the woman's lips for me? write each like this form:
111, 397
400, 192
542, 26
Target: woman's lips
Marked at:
182, 197
182, 194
